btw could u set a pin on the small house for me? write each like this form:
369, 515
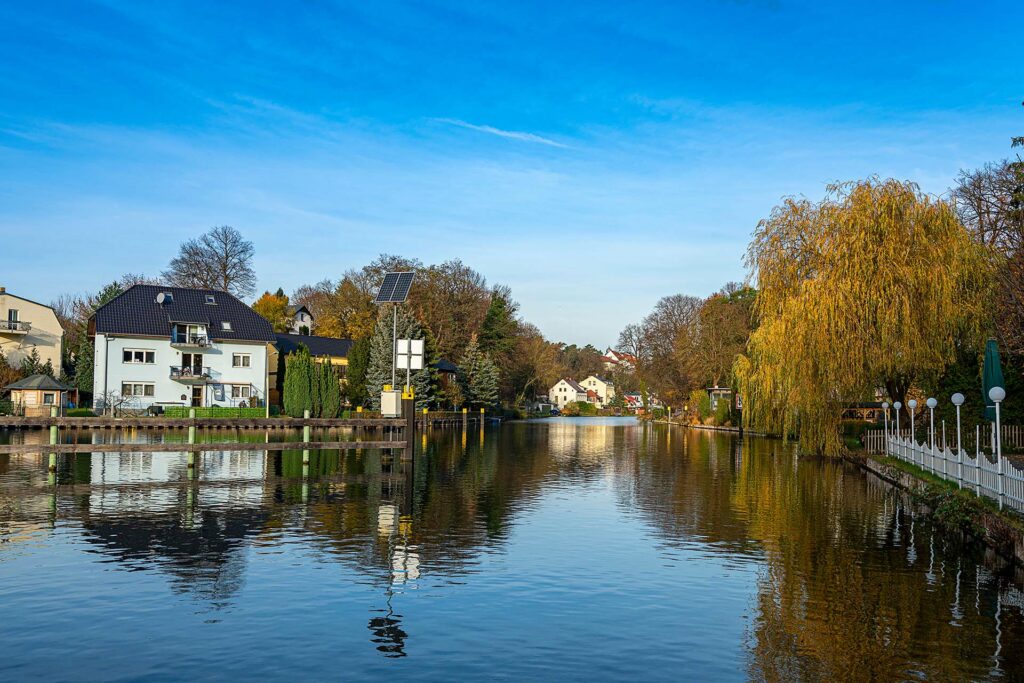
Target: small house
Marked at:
36, 395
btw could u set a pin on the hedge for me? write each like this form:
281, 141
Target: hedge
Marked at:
182, 411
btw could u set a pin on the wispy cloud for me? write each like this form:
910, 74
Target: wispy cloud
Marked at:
510, 134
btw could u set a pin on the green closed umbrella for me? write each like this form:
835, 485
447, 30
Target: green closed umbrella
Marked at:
991, 376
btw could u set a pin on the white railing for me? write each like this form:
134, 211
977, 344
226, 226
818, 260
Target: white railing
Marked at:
998, 479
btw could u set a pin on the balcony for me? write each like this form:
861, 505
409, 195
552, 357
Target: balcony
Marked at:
15, 327
189, 374
190, 341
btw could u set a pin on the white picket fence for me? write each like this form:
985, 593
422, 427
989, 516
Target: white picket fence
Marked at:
1000, 480
1013, 436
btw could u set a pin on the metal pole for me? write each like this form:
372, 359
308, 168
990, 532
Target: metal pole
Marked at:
931, 430
999, 456
52, 469
977, 460
394, 348
943, 447
959, 453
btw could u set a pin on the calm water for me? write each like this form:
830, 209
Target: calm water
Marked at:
569, 549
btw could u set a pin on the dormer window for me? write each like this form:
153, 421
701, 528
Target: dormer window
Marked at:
225, 326
211, 300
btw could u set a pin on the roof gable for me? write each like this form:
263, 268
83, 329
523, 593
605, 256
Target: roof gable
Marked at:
136, 312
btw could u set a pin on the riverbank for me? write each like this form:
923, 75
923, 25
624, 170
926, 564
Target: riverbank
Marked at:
710, 428
958, 510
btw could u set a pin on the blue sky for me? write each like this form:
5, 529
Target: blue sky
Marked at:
593, 156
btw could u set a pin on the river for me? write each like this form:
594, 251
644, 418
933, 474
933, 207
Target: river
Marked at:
573, 549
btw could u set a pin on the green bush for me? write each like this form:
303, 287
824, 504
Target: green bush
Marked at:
584, 408
722, 412
80, 412
700, 404
176, 412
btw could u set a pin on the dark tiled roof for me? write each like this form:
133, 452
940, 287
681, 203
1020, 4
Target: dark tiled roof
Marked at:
136, 312
575, 385
40, 383
446, 366
318, 346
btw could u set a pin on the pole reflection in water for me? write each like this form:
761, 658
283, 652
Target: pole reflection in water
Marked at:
581, 548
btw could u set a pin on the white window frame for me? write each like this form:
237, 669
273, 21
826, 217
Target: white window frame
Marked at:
49, 398
236, 359
140, 389
144, 352
241, 391
211, 299
225, 326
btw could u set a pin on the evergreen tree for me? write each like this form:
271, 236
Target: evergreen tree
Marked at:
331, 399
32, 365
378, 371
298, 387
84, 361
317, 389
355, 384
498, 330
479, 376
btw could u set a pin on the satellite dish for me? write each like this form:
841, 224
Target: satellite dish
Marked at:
164, 298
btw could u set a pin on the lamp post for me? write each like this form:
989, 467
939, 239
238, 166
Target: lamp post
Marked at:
958, 400
885, 408
913, 435
997, 394
931, 403
899, 438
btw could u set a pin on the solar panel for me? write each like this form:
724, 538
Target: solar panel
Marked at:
395, 288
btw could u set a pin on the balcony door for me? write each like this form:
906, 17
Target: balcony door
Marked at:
192, 363
197, 396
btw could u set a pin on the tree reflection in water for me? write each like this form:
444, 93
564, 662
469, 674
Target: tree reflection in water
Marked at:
851, 583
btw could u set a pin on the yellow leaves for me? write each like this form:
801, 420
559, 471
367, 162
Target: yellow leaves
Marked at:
874, 281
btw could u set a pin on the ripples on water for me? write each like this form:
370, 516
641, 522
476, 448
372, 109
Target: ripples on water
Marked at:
578, 549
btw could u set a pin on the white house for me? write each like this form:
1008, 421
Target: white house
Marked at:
301, 320
566, 391
602, 386
159, 345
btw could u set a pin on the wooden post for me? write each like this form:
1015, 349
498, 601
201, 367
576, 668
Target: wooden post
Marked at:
191, 440
52, 469
409, 430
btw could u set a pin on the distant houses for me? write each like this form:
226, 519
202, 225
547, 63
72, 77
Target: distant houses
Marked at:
26, 327
566, 391
301, 320
613, 360
598, 391
157, 345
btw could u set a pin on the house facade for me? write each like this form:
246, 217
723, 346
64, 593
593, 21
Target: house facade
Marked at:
603, 388
159, 345
618, 360
566, 391
301, 320
27, 326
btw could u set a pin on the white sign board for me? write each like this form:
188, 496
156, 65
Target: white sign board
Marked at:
409, 354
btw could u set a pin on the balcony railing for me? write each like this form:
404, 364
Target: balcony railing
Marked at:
190, 374
16, 326
198, 340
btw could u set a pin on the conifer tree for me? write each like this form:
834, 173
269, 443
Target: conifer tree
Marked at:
378, 371
358, 362
478, 376
298, 376
330, 402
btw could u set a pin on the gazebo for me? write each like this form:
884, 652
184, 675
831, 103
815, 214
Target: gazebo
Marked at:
35, 395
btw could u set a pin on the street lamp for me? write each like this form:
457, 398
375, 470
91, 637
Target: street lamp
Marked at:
885, 407
997, 394
931, 403
958, 400
912, 403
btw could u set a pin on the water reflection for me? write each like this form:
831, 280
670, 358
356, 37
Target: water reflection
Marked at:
736, 557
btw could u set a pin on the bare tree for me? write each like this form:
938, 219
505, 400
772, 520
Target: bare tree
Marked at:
219, 259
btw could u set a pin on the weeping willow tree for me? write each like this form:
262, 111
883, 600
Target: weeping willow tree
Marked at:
874, 286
